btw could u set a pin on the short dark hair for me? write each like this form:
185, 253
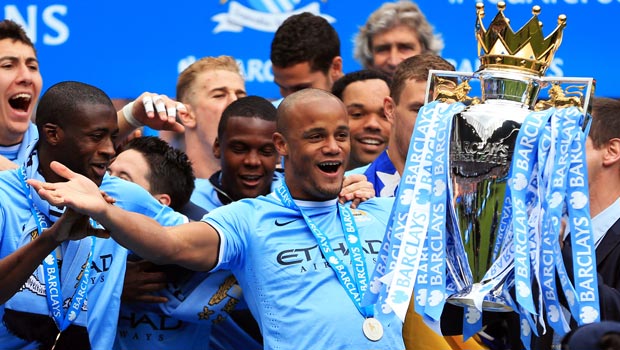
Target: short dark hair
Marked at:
305, 38
170, 171
416, 67
365, 74
247, 107
61, 103
605, 120
11, 30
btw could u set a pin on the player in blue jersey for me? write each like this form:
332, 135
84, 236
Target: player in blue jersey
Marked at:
248, 159
20, 86
247, 155
363, 92
73, 286
302, 260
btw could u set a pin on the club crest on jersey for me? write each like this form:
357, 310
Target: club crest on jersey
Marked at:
360, 216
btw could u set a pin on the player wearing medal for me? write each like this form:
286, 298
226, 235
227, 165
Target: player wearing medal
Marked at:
78, 125
275, 244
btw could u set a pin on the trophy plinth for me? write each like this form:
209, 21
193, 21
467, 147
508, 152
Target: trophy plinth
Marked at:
493, 301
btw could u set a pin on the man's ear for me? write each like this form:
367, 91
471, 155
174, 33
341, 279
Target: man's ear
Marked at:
188, 119
163, 198
612, 152
335, 70
388, 108
53, 133
217, 152
280, 142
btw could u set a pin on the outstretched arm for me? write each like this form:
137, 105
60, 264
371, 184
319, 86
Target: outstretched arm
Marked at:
194, 245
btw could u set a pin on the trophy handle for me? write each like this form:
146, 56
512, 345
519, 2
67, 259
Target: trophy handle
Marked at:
568, 92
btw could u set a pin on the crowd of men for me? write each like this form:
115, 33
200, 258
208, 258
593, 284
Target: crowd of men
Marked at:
259, 226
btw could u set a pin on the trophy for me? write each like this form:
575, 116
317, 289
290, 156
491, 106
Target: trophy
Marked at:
483, 136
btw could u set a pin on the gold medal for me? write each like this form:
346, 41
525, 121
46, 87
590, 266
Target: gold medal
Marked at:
373, 330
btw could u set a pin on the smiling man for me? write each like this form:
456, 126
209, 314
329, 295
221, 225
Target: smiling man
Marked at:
20, 86
363, 92
247, 155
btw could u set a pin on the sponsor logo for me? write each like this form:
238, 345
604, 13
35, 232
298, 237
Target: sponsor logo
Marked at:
262, 15
284, 223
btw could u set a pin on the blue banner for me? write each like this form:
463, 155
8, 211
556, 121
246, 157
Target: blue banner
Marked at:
127, 47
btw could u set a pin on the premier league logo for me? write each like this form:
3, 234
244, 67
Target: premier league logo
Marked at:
263, 15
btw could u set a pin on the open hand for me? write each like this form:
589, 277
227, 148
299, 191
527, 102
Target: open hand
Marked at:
79, 192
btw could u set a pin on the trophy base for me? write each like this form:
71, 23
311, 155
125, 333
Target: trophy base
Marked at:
494, 303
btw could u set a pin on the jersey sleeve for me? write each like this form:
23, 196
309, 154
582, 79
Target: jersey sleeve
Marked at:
233, 223
134, 198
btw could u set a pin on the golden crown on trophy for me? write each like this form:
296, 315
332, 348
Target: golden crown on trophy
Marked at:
527, 50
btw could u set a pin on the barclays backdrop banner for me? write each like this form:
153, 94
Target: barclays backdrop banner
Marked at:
127, 47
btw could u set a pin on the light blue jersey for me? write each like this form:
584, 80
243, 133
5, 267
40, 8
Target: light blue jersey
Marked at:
198, 304
290, 288
107, 269
18, 153
204, 195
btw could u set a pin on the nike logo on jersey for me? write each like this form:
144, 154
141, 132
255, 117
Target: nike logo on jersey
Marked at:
283, 223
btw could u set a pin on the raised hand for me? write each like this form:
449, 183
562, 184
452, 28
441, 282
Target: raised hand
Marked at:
156, 111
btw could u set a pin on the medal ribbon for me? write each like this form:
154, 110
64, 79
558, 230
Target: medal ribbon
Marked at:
52, 272
355, 285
